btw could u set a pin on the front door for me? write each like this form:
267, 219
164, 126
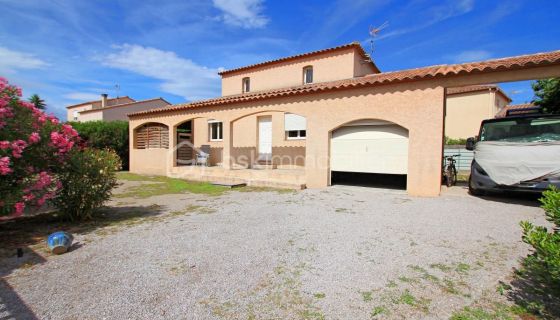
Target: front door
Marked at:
265, 138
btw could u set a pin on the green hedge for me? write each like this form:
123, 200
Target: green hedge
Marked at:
454, 142
101, 135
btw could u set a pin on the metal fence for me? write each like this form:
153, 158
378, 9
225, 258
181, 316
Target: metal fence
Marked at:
465, 157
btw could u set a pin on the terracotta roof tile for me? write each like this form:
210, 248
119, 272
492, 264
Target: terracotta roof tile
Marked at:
533, 60
476, 88
466, 89
503, 112
355, 45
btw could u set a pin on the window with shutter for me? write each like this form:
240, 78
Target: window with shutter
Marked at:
152, 136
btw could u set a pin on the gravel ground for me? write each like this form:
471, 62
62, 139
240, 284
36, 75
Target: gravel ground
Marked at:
336, 253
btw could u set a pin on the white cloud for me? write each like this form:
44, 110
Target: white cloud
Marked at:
11, 60
181, 77
242, 13
433, 15
82, 96
469, 56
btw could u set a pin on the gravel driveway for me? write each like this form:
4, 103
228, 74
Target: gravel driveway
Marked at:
336, 253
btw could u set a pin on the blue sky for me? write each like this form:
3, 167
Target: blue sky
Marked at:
69, 51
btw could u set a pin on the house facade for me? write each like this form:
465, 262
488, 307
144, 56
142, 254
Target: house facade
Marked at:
467, 106
110, 109
330, 111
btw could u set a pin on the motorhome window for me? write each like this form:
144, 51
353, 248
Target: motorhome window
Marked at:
522, 130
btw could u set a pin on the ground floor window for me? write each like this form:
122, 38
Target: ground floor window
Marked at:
295, 134
152, 136
295, 126
215, 129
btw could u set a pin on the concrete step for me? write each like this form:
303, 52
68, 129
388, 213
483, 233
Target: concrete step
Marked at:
259, 166
276, 184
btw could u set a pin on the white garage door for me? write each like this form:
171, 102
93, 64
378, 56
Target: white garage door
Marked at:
381, 148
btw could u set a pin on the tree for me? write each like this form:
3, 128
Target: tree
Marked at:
38, 102
547, 95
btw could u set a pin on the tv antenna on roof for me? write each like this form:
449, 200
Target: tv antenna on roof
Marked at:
117, 89
374, 32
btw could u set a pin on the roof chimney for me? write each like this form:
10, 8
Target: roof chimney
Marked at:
103, 100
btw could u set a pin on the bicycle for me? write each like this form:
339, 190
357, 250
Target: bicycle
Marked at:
450, 171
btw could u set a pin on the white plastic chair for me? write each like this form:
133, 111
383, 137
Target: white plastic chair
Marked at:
203, 155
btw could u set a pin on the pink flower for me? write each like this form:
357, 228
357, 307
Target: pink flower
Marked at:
49, 195
28, 197
3, 102
17, 148
4, 145
20, 206
69, 131
6, 112
53, 119
43, 181
5, 166
62, 142
27, 105
34, 138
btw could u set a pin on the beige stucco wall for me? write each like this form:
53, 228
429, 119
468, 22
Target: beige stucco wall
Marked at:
465, 111
362, 66
501, 102
326, 67
70, 112
91, 116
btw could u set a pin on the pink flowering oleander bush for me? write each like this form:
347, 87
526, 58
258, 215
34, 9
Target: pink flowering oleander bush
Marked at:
33, 149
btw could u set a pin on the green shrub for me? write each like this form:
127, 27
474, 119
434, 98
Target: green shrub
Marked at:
546, 244
452, 142
87, 179
102, 135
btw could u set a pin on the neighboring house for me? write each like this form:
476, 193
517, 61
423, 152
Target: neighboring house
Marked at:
518, 108
109, 109
467, 106
316, 115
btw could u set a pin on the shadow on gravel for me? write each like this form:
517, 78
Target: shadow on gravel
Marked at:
27, 231
12, 305
534, 292
524, 199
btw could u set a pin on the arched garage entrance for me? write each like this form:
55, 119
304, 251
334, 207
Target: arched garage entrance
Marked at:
369, 153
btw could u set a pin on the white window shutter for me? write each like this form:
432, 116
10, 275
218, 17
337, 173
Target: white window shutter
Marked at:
294, 122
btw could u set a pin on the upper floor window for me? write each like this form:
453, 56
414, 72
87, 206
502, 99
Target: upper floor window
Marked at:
308, 75
246, 85
75, 115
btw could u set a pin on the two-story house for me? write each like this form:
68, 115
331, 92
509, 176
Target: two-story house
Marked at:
309, 117
110, 109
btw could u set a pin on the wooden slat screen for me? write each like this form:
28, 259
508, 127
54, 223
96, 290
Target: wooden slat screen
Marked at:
152, 135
